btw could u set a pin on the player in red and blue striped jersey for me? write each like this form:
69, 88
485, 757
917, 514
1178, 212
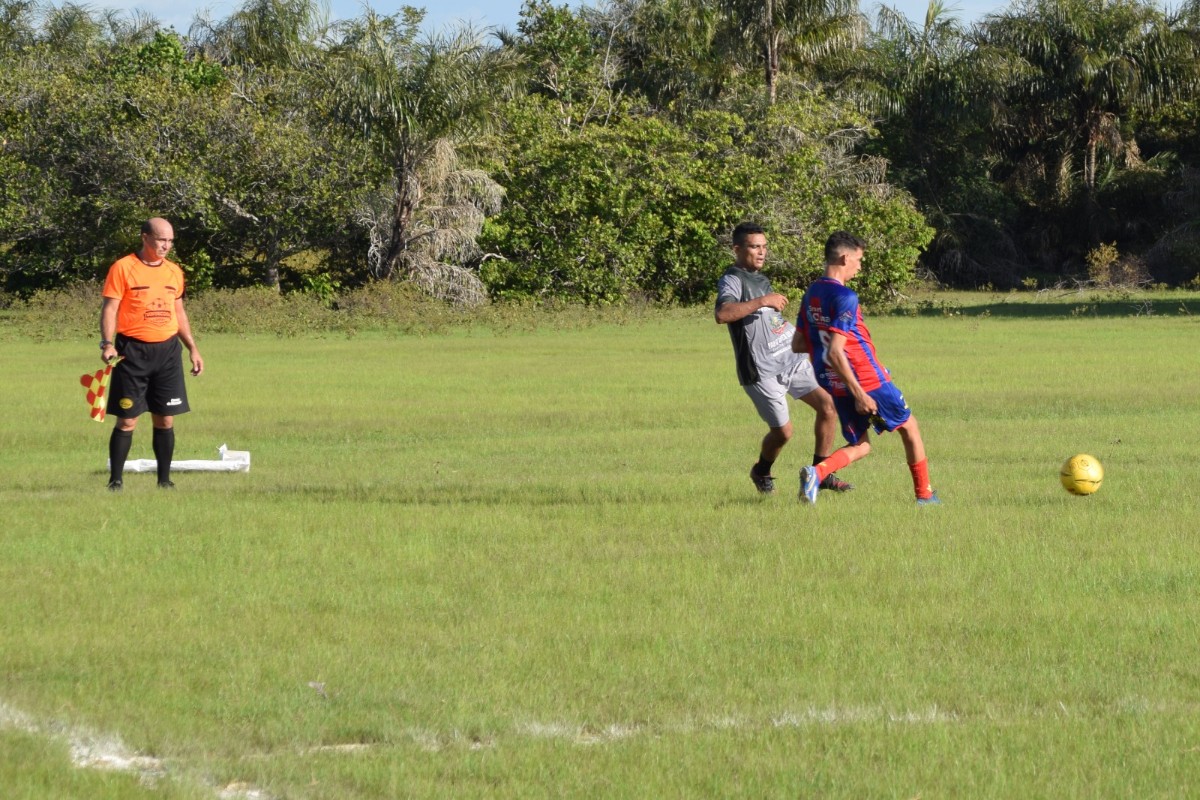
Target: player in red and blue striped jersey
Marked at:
830, 328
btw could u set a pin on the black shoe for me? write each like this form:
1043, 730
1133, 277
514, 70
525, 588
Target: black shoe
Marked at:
115, 486
764, 483
166, 484
833, 483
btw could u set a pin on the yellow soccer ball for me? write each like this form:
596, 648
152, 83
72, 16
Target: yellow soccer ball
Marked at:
1081, 474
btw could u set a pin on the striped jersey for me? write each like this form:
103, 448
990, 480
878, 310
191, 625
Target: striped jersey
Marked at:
829, 306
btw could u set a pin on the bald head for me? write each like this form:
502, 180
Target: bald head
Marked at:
156, 226
157, 239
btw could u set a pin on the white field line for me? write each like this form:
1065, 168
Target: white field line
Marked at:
854, 715
94, 751
586, 735
90, 750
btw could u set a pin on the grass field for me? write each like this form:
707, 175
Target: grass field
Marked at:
532, 565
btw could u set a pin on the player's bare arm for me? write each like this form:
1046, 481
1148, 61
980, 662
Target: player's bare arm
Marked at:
185, 336
732, 312
108, 328
836, 356
799, 343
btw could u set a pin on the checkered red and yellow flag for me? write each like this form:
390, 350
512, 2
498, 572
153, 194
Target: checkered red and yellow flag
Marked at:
96, 384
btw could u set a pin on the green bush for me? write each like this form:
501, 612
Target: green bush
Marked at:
72, 312
633, 206
644, 205
261, 310
397, 306
823, 186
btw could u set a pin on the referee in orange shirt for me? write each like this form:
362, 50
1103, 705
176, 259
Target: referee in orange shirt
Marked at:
142, 320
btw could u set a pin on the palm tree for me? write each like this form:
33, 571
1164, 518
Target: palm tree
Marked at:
800, 31
918, 68
18, 25
935, 100
1076, 71
417, 101
76, 31
694, 49
264, 33
674, 52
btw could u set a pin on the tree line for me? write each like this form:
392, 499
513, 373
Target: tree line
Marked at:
603, 153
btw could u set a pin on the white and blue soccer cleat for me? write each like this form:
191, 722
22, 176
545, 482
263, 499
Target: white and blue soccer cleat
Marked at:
809, 484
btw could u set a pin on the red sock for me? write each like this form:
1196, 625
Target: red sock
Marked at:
832, 464
920, 476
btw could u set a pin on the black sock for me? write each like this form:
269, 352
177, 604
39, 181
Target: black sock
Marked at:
818, 459
118, 450
763, 467
164, 451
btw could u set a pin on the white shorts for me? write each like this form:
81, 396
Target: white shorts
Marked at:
770, 394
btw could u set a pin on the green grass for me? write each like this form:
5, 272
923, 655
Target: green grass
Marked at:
532, 565
34, 767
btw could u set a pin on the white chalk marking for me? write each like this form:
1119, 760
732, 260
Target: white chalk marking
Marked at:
90, 750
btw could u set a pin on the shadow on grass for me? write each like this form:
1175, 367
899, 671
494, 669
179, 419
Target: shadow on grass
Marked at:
1050, 305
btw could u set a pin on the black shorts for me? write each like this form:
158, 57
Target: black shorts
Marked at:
150, 378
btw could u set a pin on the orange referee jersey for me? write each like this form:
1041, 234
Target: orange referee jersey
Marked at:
147, 295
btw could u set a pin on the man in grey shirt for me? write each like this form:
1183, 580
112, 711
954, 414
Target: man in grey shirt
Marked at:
767, 368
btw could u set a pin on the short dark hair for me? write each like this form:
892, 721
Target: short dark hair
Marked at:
745, 229
842, 242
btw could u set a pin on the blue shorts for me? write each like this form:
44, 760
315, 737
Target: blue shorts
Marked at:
892, 413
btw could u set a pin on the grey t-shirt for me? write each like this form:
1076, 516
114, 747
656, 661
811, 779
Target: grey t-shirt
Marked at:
762, 341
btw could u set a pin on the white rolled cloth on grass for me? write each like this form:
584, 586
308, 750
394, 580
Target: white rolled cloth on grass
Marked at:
231, 461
